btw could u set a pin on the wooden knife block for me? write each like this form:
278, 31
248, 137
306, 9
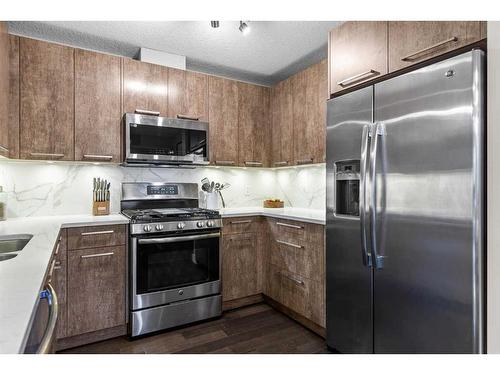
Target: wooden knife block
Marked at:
100, 208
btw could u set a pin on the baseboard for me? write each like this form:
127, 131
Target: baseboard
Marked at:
91, 337
240, 302
309, 324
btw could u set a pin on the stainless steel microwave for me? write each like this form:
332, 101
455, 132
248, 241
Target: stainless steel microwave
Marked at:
151, 139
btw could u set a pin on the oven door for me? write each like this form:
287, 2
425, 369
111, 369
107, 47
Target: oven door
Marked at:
174, 268
160, 140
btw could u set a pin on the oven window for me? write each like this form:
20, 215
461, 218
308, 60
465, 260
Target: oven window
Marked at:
158, 140
176, 264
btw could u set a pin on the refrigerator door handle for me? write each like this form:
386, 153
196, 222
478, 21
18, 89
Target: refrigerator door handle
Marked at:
378, 131
367, 130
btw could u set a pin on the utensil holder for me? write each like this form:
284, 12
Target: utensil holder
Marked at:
212, 201
100, 208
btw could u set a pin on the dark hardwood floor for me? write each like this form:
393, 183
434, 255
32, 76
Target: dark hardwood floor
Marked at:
254, 329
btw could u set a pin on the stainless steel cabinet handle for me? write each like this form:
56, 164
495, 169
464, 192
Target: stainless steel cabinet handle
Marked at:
4, 149
96, 233
99, 157
147, 112
358, 77
224, 162
289, 225
41, 154
186, 117
51, 270
280, 163
365, 138
289, 244
414, 56
305, 161
240, 222
97, 255
57, 248
147, 241
253, 163
49, 335
294, 279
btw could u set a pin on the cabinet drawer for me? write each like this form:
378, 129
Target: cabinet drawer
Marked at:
96, 236
244, 224
296, 232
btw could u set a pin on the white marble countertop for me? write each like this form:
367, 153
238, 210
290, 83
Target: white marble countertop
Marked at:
301, 214
21, 278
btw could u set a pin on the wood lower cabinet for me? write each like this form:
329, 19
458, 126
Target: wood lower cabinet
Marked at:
97, 106
46, 100
96, 289
357, 53
281, 113
223, 117
4, 90
187, 94
145, 87
254, 138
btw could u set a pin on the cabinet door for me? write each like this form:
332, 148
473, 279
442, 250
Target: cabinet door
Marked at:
240, 268
145, 87
13, 97
282, 124
414, 42
97, 106
320, 125
358, 53
4, 90
187, 94
46, 99
223, 115
96, 289
253, 125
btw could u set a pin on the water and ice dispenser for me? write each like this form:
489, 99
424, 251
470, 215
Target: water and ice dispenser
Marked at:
347, 188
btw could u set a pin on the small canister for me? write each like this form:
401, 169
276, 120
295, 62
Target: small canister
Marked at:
3, 204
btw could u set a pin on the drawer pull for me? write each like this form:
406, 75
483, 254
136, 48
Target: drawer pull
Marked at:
147, 112
240, 222
224, 162
295, 280
414, 56
289, 225
44, 154
358, 77
278, 163
57, 268
305, 161
4, 149
97, 255
98, 157
57, 248
289, 244
96, 233
253, 163
186, 117
51, 271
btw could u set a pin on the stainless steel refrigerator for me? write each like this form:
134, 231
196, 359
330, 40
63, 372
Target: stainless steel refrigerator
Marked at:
405, 212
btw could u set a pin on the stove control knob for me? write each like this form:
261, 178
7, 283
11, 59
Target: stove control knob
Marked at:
147, 228
200, 224
210, 223
181, 226
159, 227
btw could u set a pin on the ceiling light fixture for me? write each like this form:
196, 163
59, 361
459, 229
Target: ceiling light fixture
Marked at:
244, 28
214, 24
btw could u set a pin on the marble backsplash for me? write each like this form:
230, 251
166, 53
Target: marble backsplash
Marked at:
41, 188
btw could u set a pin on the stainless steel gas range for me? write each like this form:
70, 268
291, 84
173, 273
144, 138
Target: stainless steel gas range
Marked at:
174, 260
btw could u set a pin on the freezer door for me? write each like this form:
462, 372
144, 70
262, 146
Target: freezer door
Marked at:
348, 288
429, 209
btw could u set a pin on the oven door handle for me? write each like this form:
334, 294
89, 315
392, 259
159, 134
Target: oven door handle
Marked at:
145, 241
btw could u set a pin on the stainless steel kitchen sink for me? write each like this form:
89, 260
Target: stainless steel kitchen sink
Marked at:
11, 245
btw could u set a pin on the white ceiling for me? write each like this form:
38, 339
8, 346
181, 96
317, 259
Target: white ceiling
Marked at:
272, 51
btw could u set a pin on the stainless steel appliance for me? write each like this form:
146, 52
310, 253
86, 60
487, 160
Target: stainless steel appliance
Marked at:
405, 212
151, 139
174, 256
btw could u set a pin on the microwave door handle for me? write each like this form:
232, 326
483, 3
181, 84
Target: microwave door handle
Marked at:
362, 194
378, 131
148, 241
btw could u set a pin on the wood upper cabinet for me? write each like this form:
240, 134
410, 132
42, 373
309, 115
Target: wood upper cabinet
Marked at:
145, 87
4, 90
13, 97
46, 100
96, 289
357, 53
253, 125
282, 124
187, 94
414, 42
223, 117
97, 106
